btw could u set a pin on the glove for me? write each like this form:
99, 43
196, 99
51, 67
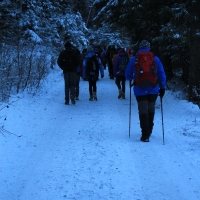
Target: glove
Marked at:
161, 92
102, 76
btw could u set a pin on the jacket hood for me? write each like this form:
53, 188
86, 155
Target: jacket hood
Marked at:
143, 50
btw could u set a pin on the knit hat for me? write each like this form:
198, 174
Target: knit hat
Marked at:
90, 49
144, 44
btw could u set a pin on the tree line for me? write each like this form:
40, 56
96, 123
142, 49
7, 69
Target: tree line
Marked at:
172, 27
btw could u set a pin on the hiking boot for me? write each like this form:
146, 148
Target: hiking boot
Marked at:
66, 103
77, 98
151, 123
91, 98
72, 99
120, 94
123, 95
95, 96
143, 139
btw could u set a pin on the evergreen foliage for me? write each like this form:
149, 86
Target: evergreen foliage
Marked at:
166, 24
172, 27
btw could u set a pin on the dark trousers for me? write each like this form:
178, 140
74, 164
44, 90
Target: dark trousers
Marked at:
110, 68
70, 84
92, 83
77, 85
146, 108
120, 82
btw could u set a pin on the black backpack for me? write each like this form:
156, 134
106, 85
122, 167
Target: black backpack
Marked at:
92, 64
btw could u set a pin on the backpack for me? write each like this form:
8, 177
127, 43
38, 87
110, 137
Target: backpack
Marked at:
124, 60
92, 64
145, 66
70, 61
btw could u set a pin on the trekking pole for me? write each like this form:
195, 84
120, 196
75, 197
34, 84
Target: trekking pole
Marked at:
130, 111
162, 120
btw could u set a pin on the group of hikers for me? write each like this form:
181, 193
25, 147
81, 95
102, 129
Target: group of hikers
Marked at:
142, 69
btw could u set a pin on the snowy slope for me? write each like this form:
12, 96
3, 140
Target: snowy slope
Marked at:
84, 152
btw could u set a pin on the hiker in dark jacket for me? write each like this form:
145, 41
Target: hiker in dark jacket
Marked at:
78, 75
119, 74
146, 95
109, 56
91, 75
68, 61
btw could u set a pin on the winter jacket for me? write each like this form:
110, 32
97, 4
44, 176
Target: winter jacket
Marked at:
109, 54
117, 61
68, 60
130, 74
79, 70
89, 55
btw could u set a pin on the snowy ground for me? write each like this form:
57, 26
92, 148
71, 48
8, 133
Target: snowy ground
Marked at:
83, 151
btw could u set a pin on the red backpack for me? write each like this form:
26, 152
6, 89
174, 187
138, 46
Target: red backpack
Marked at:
145, 66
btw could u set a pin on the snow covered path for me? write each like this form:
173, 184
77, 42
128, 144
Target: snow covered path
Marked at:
83, 151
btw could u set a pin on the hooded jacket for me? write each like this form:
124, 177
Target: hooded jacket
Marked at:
89, 55
130, 74
68, 60
117, 61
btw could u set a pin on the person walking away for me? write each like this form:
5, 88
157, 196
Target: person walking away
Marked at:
78, 75
98, 51
119, 67
147, 72
114, 57
109, 55
130, 52
68, 61
103, 56
91, 67
79, 72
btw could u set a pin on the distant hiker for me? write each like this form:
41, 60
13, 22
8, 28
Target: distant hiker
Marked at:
78, 75
98, 51
147, 72
103, 56
114, 57
130, 53
79, 72
109, 55
119, 67
68, 61
91, 67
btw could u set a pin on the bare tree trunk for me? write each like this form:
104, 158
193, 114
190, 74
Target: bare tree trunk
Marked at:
194, 73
